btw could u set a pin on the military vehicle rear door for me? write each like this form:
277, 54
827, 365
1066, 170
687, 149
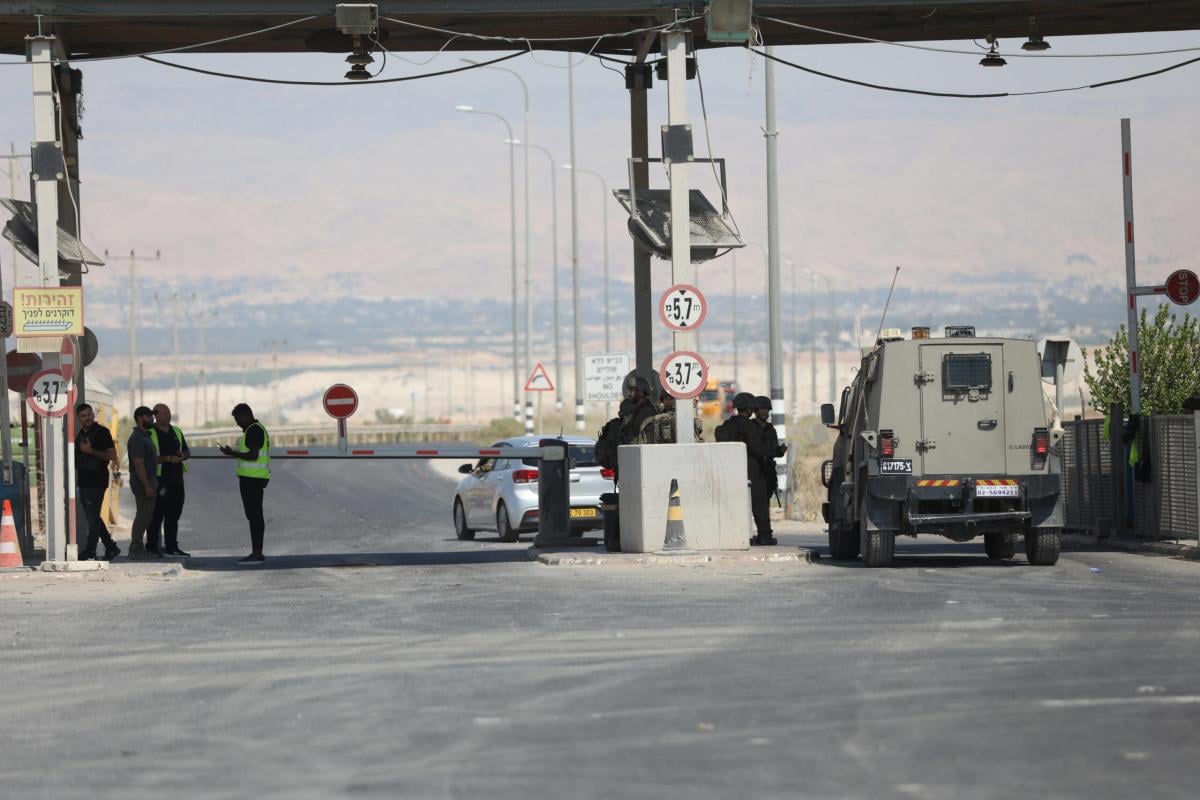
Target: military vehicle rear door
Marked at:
962, 409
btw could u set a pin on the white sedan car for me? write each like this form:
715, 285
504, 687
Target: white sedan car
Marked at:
501, 494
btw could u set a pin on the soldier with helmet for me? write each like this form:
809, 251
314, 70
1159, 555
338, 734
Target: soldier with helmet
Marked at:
762, 416
742, 428
625, 428
660, 428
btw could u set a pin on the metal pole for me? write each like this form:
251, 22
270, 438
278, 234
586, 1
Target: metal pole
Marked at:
812, 339
45, 195
794, 335
733, 256
175, 345
637, 78
579, 418
833, 377
558, 373
774, 284
675, 46
604, 222
1135, 377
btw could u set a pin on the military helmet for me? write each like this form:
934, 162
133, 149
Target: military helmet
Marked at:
743, 400
762, 402
638, 382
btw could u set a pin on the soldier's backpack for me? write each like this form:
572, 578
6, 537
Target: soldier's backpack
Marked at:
607, 442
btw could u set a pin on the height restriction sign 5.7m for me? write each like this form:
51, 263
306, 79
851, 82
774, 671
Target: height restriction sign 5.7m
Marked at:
683, 374
682, 307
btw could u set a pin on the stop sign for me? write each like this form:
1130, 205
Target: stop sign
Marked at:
340, 401
22, 367
1183, 287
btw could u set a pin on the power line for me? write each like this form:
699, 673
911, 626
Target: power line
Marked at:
927, 48
967, 95
372, 82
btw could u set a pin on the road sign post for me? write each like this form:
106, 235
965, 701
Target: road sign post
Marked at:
340, 402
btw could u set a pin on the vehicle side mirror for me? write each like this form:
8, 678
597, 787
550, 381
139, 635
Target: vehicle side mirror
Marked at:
827, 415
466, 469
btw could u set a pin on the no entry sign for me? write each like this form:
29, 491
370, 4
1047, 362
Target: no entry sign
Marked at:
22, 367
340, 401
1183, 287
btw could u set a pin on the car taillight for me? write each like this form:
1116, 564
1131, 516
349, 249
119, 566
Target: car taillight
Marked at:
1041, 441
525, 475
607, 474
887, 444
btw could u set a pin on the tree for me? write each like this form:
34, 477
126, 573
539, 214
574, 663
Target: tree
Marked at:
1169, 361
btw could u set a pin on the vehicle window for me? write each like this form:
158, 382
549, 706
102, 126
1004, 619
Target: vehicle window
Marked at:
841, 420
962, 372
584, 455
484, 465
502, 463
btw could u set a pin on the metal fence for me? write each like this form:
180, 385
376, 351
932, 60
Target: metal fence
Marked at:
1165, 507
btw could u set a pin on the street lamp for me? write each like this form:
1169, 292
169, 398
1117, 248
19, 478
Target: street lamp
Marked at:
604, 221
558, 373
512, 191
528, 283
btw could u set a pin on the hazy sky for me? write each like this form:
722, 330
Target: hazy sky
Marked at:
387, 191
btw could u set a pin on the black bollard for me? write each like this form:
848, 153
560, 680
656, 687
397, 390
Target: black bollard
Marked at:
554, 498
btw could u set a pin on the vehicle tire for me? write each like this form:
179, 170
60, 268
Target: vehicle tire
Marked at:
843, 544
461, 530
880, 548
1042, 546
1000, 545
504, 528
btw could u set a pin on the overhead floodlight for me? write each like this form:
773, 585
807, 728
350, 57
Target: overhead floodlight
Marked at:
1036, 43
465, 109
992, 59
22, 231
729, 20
358, 62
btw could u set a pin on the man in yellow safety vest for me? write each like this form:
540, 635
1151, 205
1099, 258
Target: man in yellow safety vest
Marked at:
168, 508
253, 456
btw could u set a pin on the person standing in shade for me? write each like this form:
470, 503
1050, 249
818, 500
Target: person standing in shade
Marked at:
253, 470
94, 451
762, 415
742, 428
143, 463
172, 453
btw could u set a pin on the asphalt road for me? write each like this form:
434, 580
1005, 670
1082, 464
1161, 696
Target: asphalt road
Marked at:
377, 656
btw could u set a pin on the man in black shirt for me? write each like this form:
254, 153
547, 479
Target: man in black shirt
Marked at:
168, 508
94, 451
741, 428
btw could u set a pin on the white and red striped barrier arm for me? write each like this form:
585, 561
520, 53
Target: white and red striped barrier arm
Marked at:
420, 451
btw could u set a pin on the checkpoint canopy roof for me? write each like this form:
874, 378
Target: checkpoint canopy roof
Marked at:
118, 27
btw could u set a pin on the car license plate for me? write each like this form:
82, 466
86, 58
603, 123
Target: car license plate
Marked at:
583, 513
997, 491
895, 466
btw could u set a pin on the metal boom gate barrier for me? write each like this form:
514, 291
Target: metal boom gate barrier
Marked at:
554, 488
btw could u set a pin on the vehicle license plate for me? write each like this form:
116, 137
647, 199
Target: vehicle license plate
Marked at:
580, 513
895, 466
997, 491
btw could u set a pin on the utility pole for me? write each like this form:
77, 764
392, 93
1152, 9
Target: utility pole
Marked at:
275, 344
174, 298
812, 338
579, 422
132, 258
774, 284
558, 371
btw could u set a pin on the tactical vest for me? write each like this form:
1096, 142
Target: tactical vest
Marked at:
178, 437
261, 466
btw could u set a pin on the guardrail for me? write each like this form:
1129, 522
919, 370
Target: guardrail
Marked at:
317, 435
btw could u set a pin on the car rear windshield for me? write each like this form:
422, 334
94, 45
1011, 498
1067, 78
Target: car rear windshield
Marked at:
584, 455
965, 371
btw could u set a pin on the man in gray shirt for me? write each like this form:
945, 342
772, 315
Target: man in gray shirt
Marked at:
143, 464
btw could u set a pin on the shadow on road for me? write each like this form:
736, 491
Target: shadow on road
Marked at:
933, 555
358, 560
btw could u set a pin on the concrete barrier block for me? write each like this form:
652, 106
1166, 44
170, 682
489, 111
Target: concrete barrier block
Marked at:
712, 490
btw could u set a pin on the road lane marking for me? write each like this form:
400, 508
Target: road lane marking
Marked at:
1099, 702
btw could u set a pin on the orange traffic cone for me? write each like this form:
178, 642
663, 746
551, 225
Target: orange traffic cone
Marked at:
10, 550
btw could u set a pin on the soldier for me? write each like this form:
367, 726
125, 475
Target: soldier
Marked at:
660, 428
741, 428
625, 428
762, 416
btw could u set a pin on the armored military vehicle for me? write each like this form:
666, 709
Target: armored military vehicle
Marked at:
947, 436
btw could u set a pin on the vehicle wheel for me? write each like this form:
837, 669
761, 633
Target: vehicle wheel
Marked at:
504, 528
843, 545
1000, 545
1042, 546
880, 548
460, 522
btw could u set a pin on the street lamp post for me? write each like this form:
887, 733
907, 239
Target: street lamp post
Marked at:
528, 282
576, 327
512, 191
558, 403
604, 222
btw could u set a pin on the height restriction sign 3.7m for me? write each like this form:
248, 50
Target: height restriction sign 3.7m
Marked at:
683, 374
